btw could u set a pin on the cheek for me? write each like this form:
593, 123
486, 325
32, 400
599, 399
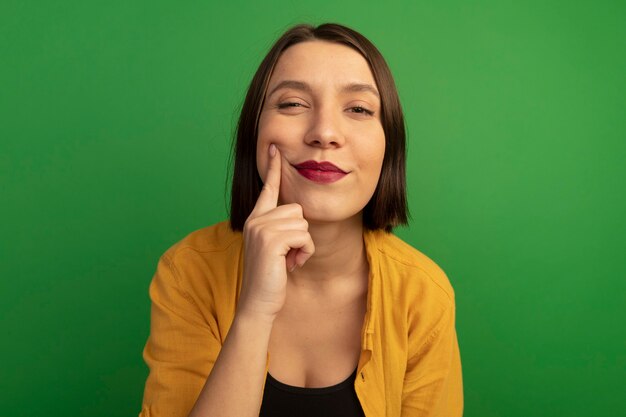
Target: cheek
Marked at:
372, 156
274, 130
265, 137
281, 135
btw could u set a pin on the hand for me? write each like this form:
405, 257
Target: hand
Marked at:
276, 239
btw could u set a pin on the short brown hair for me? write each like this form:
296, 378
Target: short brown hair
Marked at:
388, 206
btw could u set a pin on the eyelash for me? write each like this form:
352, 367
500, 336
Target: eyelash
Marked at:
285, 105
363, 110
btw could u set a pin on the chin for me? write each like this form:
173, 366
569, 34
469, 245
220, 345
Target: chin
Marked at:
321, 207
325, 214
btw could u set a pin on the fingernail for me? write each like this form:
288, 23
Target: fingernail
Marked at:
293, 268
272, 150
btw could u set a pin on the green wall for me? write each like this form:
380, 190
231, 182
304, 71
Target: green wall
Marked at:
116, 119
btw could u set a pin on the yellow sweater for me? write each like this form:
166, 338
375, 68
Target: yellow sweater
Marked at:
409, 365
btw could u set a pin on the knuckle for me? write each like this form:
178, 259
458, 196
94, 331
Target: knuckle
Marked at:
252, 227
295, 208
261, 238
248, 224
257, 233
268, 188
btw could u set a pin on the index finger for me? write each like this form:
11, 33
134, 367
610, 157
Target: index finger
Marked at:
268, 199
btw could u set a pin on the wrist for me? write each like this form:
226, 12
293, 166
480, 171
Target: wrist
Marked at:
251, 319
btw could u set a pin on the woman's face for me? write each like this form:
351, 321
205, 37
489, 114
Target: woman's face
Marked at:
323, 106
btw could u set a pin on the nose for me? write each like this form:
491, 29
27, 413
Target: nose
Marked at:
325, 130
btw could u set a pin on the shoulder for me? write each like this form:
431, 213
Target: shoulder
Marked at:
409, 270
197, 279
207, 259
215, 238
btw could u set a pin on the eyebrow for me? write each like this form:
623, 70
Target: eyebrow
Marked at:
301, 85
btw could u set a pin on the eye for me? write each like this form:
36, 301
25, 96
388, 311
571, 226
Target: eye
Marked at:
361, 110
288, 105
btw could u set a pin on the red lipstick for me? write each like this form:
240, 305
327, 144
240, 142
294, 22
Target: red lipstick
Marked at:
320, 172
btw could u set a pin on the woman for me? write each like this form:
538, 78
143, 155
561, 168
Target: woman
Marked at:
305, 303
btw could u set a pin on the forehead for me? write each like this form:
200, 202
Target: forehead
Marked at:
321, 62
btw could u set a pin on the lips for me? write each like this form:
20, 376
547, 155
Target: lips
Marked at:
320, 172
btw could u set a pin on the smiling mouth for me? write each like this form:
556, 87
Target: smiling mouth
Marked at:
320, 172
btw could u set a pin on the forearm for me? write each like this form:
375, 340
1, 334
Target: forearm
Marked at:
235, 384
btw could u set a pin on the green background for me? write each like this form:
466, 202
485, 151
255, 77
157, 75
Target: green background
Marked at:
116, 122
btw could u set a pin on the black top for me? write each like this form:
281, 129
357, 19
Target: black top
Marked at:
282, 400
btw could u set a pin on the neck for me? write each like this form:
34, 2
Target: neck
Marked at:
339, 255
